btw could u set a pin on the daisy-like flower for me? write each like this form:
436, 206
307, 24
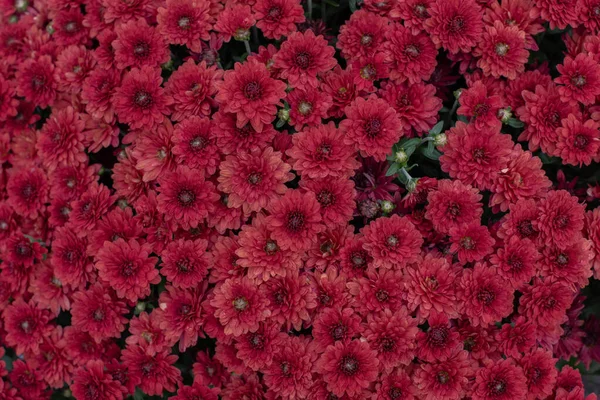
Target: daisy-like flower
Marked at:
516, 337
392, 242
558, 13
561, 219
472, 242
240, 306
235, 22
540, 371
502, 380
578, 141
393, 337
140, 101
97, 91
580, 78
447, 379
570, 264
440, 341
26, 379
291, 300
278, 18
152, 373
20, 250
73, 65
185, 22
545, 303
348, 368
254, 180
27, 190
231, 139
256, 349
295, 219
431, 285
249, 92
197, 390
193, 88
8, 102
480, 106
335, 198
335, 324
181, 315
195, 144
95, 311
37, 81
372, 127
127, 267
307, 107
89, 208
153, 151
26, 326
93, 378
487, 297
61, 139
70, 260
185, 263
376, 291
502, 51
410, 56
516, 261
413, 13
362, 35
185, 197
453, 204
455, 25
138, 45
302, 57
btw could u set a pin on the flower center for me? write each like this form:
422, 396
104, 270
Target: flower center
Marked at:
580, 142
349, 365
295, 221
184, 22
561, 221
442, 377
27, 191
71, 27
497, 387
382, 295
186, 197
23, 250
252, 90
304, 108
142, 99
525, 228
562, 259
395, 393
271, 247
578, 80
128, 269
437, 336
486, 296
183, 265
392, 241
141, 49
338, 331
325, 198
368, 72
366, 40
240, 304
255, 178
467, 243
257, 341
502, 49
275, 13
456, 24
198, 143
373, 127
420, 11
358, 259
453, 210
26, 326
387, 344
302, 60
412, 51
99, 315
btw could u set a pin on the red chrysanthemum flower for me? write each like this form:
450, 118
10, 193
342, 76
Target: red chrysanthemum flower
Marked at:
254, 180
307, 107
295, 219
231, 139
472, 242
249, 92
455, 25
501, 380
335, 198
138, 45
482, 108
291, 300
26, 379
302, 57
70, 260
335, 324
413, 13
185, 263
362, 35
48, 291
372, 126
140, 101
289, 376
545, 304
8, 102
27, 190
93, 381
185, 22
185, 197
523, 178
145, 331
89, 208
61, 139
127, 267
181, 315
240, 306
192, 88
26, 326
487, 297
416, 105
396, 385
570, 264
453, 204
196, 391
561, 219
516, 261
431, 285
117, 224
37, 81
95, 311
98, 89
392, 242
261, 255
378, 290
98, 134
195, 144
235, 22
445, 380
393, 337
339, 84
68, 28
578, 141
23, 251
592, 232
540, 371
256, 349
73, 65
348, 368
278, 18
580, 78
502, 51
440, 341
559, 13
410, 56
153, 373
153, 151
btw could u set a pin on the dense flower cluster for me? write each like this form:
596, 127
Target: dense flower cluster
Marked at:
219, 199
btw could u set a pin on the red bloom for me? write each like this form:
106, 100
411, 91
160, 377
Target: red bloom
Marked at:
196, 391
339, 84
117, 224
371, 126
335, 198
240, 306
140, 101
482, 108
27, 190
185, 197
302, 57
277, 18
96, 312
153, 151
570, 264
146, 332
517, 261
138, 45
348, 368
92, 381
455, 25
153, 373
307, 107
578, 141
26, 379
23, 251
249, 92
48, 291
195, 144
486, 296
70, 260
68, 27
26, 326
335, 324
413, 13
561, 219
235, 22
393, 337
445, 380
185, 262
472, 242
558, 13
97, 92
256, 349
89, 208
539, 368
193, 88
440, 341
8, 102
410, 56
362, 35
230, 138
291, 299
396, 385
295, 219
500, 380
61, 139
185, 22
502, 51
254, 180
431, 285
181, 315
545, 304
37, 81
377, 291
516, 337
581, 79
127, 268
453, 204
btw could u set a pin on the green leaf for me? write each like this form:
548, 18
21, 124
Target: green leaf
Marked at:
331, 3
431, 152
462, 118
353, 5
393, 169
515, 123
279, 124
437, 128
138, 395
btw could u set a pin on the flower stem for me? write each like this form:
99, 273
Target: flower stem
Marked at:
247, 44
323, 11
310, 9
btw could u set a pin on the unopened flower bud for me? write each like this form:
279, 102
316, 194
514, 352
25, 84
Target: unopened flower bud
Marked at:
284, 114
401, 157
440, 140
505, 114
387, 206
